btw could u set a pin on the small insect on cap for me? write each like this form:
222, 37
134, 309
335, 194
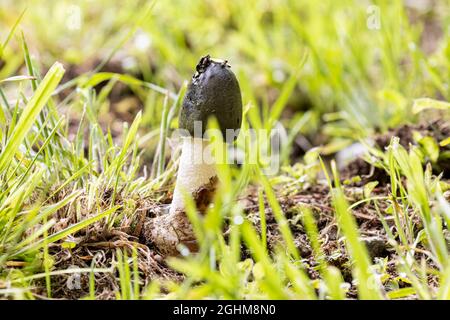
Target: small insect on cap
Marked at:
213, 91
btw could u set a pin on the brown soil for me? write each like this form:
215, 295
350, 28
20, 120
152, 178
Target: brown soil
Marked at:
97, 247
438, 129
318, 199
95, 243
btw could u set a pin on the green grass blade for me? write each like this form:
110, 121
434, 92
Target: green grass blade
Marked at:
31, 111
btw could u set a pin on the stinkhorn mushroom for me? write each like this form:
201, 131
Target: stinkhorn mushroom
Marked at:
213, 91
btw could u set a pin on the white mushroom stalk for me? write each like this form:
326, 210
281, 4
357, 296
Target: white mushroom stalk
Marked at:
196, 170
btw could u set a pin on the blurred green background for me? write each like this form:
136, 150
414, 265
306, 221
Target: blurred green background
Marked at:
356, 65
84, 159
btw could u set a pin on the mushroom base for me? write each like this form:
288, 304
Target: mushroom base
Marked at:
168, 232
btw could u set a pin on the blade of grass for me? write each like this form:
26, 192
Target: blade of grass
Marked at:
31, 111
69, 230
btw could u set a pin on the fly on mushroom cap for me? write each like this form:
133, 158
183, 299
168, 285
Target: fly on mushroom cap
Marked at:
213, 91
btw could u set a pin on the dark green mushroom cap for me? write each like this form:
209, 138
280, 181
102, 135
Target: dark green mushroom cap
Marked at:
213, 91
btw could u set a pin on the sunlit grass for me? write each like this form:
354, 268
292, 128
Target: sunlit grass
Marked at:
311, 68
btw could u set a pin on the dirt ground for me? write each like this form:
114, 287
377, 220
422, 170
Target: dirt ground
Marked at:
99, 248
